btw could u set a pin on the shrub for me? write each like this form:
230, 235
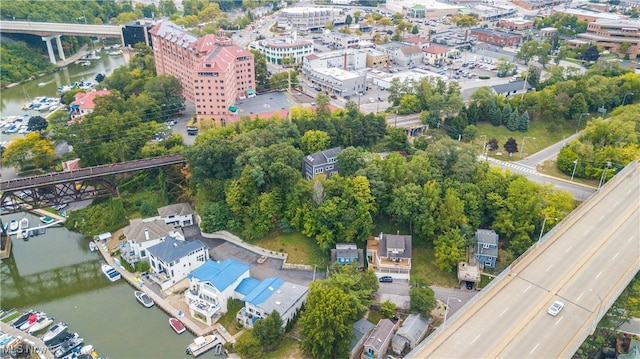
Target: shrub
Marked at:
483, 77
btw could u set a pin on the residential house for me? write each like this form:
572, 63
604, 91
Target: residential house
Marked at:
269, 295
211, 285
486, 251
435, 54
172, 260
402, 54
512, 88
412, 331
377, 343
390, 255
177, 214
141, 234
347, 253
416, 41
321, 162
360, 330
83, 103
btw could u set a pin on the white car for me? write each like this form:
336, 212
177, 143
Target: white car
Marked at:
555, 308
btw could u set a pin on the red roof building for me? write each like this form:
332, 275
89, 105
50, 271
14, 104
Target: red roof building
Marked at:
213, 71
84, 103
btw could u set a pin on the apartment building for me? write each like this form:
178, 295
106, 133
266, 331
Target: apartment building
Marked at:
621, 36
213, 71
275, 50
307, 18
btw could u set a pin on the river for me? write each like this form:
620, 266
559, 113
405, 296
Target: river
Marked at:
56, 272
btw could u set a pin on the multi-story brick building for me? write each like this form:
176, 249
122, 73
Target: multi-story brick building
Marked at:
496, 37
213, 71
621, 37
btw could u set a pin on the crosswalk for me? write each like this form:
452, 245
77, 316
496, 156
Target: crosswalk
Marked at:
515, 166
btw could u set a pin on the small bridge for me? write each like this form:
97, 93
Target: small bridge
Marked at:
58, 188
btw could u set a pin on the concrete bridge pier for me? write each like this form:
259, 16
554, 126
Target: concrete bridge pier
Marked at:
52, 56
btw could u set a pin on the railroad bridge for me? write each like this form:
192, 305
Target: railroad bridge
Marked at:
58, 188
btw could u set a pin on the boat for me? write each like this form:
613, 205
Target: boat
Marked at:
21, 319
115, 52
55, 332
202, 344
23, 224
47, 220
41, 324
67, 347
144, 299
177, 325
85, 63
111, 272
92, 246
13, 225
33, 319
55, 343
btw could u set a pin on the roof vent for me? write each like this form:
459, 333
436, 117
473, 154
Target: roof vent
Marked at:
278, 303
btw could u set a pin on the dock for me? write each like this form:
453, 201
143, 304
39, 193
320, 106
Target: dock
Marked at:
36, 343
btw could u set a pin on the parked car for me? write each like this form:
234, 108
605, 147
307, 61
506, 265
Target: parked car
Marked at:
555, 308
386, 279
334, 97
371, 100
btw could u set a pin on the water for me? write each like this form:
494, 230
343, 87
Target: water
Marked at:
12, 99
56, 273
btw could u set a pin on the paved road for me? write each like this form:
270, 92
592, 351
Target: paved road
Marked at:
509, 318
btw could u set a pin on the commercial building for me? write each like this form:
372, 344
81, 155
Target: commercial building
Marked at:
340, 40
538, 4
496, 37
307, 18
516, 24
435, 54
289, 49
621, 37
376, 59
422, 8
214, 72
335, 72
591, 15
138, 31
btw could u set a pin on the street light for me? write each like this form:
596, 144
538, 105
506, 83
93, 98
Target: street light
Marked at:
542, 229
524, 138
580, 119
446, 311
625, 97
484, 144
575, 164
604, 175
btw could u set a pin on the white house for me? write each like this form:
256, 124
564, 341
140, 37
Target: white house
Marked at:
211, 285
435, 54
179, 214
271, 294
172, 260
141, 234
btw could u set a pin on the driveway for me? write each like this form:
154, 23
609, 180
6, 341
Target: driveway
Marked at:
220, 250
397, 292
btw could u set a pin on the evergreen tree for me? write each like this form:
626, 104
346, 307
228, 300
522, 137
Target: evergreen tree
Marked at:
506, 114
523, 122
473, 113
513, 122
495, 115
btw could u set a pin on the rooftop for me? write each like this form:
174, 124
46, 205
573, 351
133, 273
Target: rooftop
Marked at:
180, 209
171, 249
273, 297
220, 274
140, 230
380, 335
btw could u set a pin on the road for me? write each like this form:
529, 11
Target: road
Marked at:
573, 264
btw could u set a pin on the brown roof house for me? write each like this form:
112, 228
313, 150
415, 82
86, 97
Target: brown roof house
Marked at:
378, 340
177, 214
390, 255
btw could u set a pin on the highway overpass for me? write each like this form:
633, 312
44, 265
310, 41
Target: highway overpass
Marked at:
57, 28
586, 261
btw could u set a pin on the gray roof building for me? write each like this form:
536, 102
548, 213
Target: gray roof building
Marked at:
512, 88
395, 246
176, 209
361, 330
412, 331
347, 253
140, 230
171, 249
322, 162
378, 340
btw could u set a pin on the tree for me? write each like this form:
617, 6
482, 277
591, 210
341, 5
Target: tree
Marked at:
492, 145
415, 30
405, 203
523, 122
247, 345
422, 300
100, 77
269, 330
30, 151
449, 250
464, 21
261, 72
37, 123
348, 20
325, 325
350, 160
590, 54
313, 141
388, 308
166, 91
511, 146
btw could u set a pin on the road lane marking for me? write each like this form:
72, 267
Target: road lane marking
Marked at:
568, 249
602, 217
598, 275
614, 257
504, 311
587, 231
549, 267
580, 296
559, 320
527, 288
473, 341
534, 348
630, 238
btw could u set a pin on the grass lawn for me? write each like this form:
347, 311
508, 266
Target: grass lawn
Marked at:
228, 320
484, 280
301, 249
287, 349
375, 316
11, 317
537, 130
550, 168
423, 267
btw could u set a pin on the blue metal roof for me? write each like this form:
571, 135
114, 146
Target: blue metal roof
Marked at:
264, 290
247, 285
220, 274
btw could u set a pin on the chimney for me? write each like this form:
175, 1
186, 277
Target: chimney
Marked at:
146, 234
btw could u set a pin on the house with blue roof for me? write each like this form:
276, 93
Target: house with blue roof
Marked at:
212, 284
269, 295
172, 259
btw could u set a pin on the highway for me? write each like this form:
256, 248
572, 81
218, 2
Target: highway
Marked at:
585, 262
